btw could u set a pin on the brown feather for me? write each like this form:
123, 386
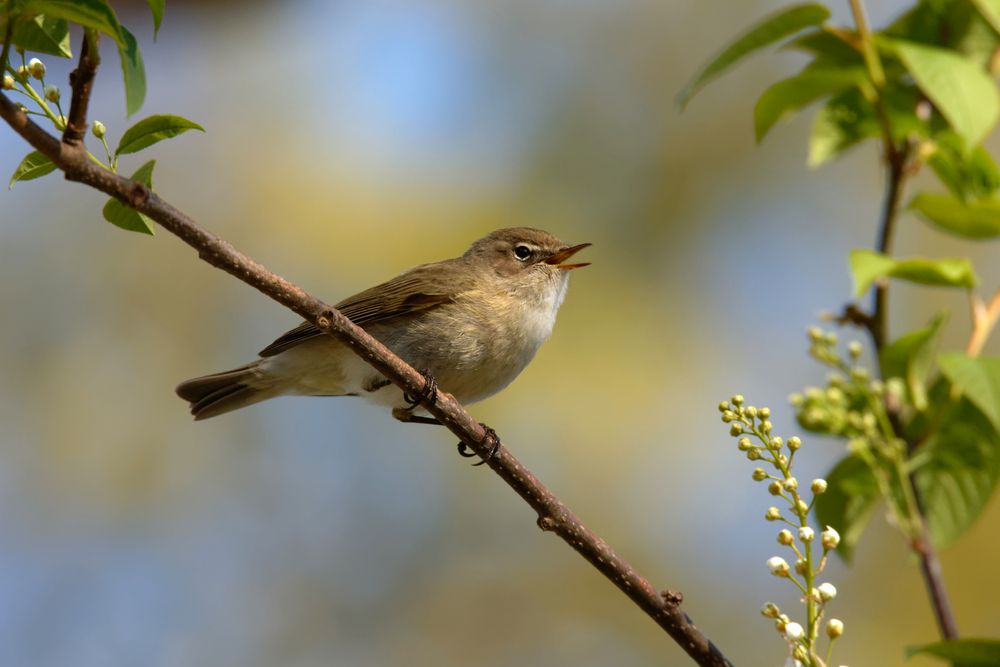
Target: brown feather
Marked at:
419, 289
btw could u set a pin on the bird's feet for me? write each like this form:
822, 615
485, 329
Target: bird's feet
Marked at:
490, 437
429, 390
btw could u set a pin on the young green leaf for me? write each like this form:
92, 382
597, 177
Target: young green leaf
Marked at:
848, 502
963, 92
910, 357
773, 28
793, 93
843, 122
972, 219
829, 46
960, 471
990, 10
120, 215
150, 130
34, 165
156, 7
868, 265
96, 14
43, 34
962, 652
133, 72
979, 380
969, 174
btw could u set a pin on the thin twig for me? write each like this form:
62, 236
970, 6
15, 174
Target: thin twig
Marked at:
984, 318
896, 169
664, 608
82, 80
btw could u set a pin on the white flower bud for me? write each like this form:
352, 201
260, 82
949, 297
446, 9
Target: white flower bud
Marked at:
770, 610
750, 411
830, 537
774, 488
52, 93
791, 484
794, 631
765, 413
759, 474
794, 443
772, 514
98, 129
834, 628
806, 534
785, 537
22, 72
827, 592
818, 486
36, 68
744, 444
801, 567
723, 406
737, 400
8, 82
735, 429
854, 349
778, 566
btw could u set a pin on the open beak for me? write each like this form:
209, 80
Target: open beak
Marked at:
558, 258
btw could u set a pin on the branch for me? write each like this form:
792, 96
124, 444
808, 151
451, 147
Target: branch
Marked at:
664, 608
896, 162
82, 80
984, 318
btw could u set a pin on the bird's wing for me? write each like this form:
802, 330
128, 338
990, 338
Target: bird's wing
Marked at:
419, 289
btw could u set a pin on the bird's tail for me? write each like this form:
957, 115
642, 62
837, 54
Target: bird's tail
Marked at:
216, 394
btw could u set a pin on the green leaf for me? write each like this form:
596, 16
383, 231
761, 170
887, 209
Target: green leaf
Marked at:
150, 130
960, 471
968, 174
848, 502
156, 7
133, 72
963, 92
979, 380
828, 47
34, 165
43, 34
773, 28
120, 215
790, 95
910, 357
96, 14
843, 122
974, 220
962, 652
990, 10
868, 266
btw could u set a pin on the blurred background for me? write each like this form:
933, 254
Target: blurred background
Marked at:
345, 142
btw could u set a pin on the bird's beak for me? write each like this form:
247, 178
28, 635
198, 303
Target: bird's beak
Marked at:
558, 258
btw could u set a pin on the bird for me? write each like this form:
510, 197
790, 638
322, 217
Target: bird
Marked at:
471, 324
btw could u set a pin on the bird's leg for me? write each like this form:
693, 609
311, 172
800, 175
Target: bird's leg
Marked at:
406, 415
490, 436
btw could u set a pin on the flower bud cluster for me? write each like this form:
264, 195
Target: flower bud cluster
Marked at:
752, 428
844, 406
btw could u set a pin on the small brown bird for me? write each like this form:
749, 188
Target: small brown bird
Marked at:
471, 323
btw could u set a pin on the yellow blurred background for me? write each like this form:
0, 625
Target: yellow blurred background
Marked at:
345, 142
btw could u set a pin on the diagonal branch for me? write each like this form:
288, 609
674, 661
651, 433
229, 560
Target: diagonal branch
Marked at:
664, 608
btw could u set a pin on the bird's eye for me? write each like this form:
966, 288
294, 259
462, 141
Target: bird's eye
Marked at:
522, 252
